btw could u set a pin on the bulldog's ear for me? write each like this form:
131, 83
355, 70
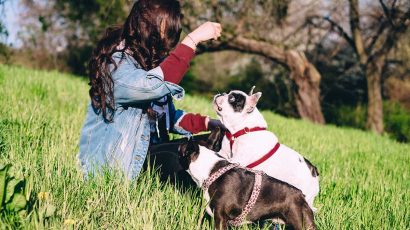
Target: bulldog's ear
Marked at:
215, 139
253, 100
182, 149
192, 147
251, 92
188, 148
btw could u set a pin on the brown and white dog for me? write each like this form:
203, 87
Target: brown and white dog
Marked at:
228, 194
250, 144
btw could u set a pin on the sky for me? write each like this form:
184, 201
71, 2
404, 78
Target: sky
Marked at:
12, 12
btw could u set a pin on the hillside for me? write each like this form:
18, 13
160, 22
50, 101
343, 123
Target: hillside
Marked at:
365, 179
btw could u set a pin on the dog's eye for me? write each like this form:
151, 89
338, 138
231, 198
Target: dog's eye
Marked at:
231, 98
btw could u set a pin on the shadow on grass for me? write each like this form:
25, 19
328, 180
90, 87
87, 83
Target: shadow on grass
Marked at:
164, 158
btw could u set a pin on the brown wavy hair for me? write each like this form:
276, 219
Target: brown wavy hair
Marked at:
141, 34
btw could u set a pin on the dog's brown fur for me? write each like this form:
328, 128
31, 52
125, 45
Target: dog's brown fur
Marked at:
230, 193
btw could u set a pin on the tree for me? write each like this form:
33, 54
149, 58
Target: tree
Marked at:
70, 27
3, 34
249, 26
372, 37
3, 30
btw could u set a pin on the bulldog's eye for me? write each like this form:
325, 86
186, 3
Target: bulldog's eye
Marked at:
231, 98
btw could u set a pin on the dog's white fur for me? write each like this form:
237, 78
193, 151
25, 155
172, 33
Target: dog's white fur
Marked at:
200, 170
286, 164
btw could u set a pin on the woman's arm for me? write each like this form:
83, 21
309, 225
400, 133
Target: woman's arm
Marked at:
193, 123
176, 64
133, 85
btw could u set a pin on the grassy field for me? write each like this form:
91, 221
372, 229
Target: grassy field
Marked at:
365, 179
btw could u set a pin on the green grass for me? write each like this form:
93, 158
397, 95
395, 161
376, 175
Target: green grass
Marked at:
365, 180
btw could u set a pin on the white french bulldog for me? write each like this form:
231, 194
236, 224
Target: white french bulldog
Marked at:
238, 113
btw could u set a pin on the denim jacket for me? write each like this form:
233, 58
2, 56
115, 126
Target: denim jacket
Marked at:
123, 144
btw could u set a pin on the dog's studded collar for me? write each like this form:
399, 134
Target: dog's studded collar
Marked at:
231, 137
214, 176
237, 221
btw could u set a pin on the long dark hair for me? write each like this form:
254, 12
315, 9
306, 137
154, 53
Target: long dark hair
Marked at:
141, 34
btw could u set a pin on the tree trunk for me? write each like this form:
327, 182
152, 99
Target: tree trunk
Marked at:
302, 72
375, 102
307, 80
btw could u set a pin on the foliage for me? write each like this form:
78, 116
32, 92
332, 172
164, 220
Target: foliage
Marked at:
396, 119
342, 81
5, 53
254, 19
364, 177
277, 94
16, 198
195, 85
93, 16
3, 29
64, 32
14, 191
4, 50
345, 115
371, 37
344, 91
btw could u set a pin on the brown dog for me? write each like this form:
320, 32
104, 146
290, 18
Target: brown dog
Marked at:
230, 192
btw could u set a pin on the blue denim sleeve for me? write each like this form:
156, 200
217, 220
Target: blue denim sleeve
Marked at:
134, 85
176, 117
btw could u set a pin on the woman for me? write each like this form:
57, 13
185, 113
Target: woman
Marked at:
132, 86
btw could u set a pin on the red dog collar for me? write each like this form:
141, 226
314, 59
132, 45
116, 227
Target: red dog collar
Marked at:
244, 131
241, 132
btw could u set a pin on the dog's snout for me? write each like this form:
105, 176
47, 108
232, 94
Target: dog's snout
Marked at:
218, 101
219, 95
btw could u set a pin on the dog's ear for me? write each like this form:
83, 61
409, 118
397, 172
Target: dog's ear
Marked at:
253, 100
188, 148
214, 141
193, 147
251, 92
182, 149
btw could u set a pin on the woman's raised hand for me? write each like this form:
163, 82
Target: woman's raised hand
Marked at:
205, 32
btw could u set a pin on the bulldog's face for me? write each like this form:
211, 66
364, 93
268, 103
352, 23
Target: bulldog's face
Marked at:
235, 105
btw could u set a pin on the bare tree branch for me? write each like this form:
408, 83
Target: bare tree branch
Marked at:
377, 35
341, 31
386, 12
334, 26
355, 28
242, 44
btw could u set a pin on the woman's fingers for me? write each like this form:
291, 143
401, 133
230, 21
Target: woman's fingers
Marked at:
206, 31
218, 27
218, 30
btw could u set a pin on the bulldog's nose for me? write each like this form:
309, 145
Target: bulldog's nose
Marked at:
219, 95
